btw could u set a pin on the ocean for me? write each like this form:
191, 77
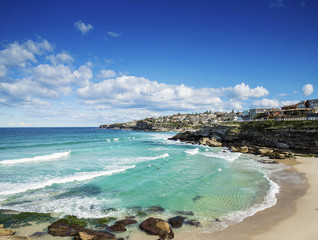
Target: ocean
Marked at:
92, 173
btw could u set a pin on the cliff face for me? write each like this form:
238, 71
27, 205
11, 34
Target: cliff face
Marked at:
284, 138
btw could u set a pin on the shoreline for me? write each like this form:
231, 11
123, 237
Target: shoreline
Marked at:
293, 210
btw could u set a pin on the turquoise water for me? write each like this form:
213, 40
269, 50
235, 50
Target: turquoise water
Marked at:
92, 172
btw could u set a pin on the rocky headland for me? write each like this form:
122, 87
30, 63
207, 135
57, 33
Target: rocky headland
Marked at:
275, 139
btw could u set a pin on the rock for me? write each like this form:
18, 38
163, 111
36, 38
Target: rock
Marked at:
276, 155
267, 161
186, 213
126, 221
216, 220
62, 228
14, 238
176, 222
213, 142
6, 232
156, 226
117, 227
155, 209
233, 149
264, 151
38, 235
203, 140
193, 223
282, 145
243, 149
196, 198
88, 234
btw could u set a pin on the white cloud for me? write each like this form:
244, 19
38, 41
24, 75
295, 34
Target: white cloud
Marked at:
62, 57
266, 103
113, 34
243, 92
107, 74
19, 55
284, 103
283, 94
138, 92
308, 90
82, 27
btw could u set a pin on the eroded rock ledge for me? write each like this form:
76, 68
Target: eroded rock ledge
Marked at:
276, 141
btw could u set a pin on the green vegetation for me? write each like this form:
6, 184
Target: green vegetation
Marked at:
99, 222
262, 125
23, 219
74, 220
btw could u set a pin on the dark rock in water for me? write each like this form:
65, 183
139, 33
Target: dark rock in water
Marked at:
126, 221
108, 210
155, 209
268, 161
216, 220
88, 234
84, 190
176, 222
156, 226
62, 228
196, 198
186, 213
38, 235
117, 227
193, 223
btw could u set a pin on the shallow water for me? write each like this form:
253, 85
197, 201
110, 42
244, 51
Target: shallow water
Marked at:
92, 173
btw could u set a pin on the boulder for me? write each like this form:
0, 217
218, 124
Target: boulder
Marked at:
203, 140
264, 151
243, 149
193, 223
88, 234
62, 228
156, 226
117, 227
276, 155
233, 149
126, 221
6, 232
176, 222
214, 142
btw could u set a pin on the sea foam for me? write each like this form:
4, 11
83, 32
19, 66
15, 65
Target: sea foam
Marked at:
229, 156
81, 176
192, 151
49, 157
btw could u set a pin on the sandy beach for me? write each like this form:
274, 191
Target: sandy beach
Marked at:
294, 217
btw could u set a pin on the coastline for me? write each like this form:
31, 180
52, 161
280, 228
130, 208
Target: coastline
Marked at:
295, 216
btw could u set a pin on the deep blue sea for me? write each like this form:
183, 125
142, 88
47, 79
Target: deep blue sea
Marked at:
91, 172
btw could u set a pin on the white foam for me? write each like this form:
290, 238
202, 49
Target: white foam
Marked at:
115, 139
49, 157
152, 158
192, 151
108, 140
229, 156
11, 188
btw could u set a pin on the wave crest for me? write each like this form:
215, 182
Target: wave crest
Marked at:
48, 157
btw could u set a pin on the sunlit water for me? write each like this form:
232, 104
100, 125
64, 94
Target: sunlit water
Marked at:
92, 173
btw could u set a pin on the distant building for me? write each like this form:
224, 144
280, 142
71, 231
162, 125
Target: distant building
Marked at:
255, 111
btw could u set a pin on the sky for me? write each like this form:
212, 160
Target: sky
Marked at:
79, 63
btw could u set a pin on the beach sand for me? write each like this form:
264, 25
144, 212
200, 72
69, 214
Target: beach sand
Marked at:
294, 217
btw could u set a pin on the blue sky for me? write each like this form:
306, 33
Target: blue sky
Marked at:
85, 63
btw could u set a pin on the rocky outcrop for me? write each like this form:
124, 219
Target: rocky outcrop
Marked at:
62, 228
176, 222
276, 142
156, 226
